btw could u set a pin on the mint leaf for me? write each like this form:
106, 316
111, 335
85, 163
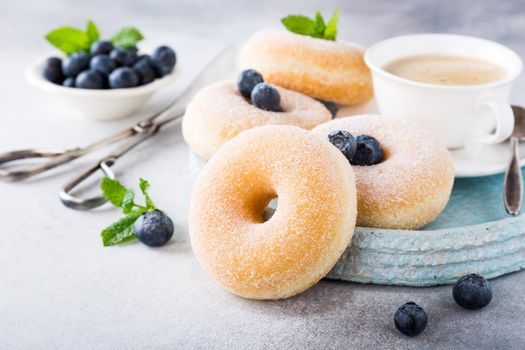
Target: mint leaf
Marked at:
316, 28
120, 231
330, 32
92, 32
126, 37
68, 39
113, 191
300, 25
144, 188
128, 201
320, 26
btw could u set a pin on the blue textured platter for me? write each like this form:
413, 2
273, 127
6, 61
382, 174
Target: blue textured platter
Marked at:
473, 234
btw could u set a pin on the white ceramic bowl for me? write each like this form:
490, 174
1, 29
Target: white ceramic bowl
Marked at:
107, 104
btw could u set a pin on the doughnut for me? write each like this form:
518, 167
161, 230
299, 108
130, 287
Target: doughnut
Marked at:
219, 112
310, 229
327, 70
412, 184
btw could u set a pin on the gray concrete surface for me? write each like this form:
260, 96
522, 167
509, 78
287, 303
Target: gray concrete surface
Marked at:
59, 289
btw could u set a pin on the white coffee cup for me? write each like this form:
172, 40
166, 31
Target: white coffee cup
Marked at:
458, 115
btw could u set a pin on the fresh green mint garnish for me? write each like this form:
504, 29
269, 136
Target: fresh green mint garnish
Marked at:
126, 37
316, 27
122, 230
69, 39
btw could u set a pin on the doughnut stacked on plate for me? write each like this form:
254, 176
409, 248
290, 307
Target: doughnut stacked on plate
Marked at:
366, 169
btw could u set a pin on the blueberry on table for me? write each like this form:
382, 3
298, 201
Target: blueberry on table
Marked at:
53, 70
69, 82
369, 151
164, 60
101, 47
265, 96
102, 64
74, 64
153, 228
123, 77
89, 79
410, 319
345, 142
247, 80
144, 70
472, 292
124, 57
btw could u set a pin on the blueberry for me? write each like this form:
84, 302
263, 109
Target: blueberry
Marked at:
53, 70
101, 47
164, 60
265, 96
75, 64
345, 142
410, 319
369, 151
247, 80
154, 228
69, 82
332, 107
102, 64
472, 292
123, 77
89, 79
144, 70
124, 57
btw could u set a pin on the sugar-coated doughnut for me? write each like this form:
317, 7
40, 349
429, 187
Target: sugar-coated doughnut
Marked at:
301, 242
327, 70
219, 112
412, 184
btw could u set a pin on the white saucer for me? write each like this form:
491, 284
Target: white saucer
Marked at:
478, 160
484, 160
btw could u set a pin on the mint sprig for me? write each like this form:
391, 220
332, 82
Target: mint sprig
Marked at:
122, 230
69, 39
126, 37
316, 28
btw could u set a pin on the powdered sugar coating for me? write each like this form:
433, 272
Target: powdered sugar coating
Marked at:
327, 70
219, 112
412, 184
309, 231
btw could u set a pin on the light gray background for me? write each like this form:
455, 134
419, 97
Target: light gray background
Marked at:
60, 289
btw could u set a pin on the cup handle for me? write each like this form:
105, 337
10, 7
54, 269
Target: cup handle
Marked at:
504, 120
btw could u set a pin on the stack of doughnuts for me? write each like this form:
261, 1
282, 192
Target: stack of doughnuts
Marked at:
269, 138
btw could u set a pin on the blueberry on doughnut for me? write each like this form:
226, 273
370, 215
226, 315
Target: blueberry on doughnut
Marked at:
247, 80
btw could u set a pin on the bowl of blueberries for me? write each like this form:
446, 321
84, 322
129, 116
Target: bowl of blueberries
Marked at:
102, 79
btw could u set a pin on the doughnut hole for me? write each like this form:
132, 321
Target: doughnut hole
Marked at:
270, 209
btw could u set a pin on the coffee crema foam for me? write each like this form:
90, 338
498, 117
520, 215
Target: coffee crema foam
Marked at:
446, 70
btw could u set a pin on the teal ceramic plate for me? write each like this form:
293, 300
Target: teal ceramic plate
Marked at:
473, 234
